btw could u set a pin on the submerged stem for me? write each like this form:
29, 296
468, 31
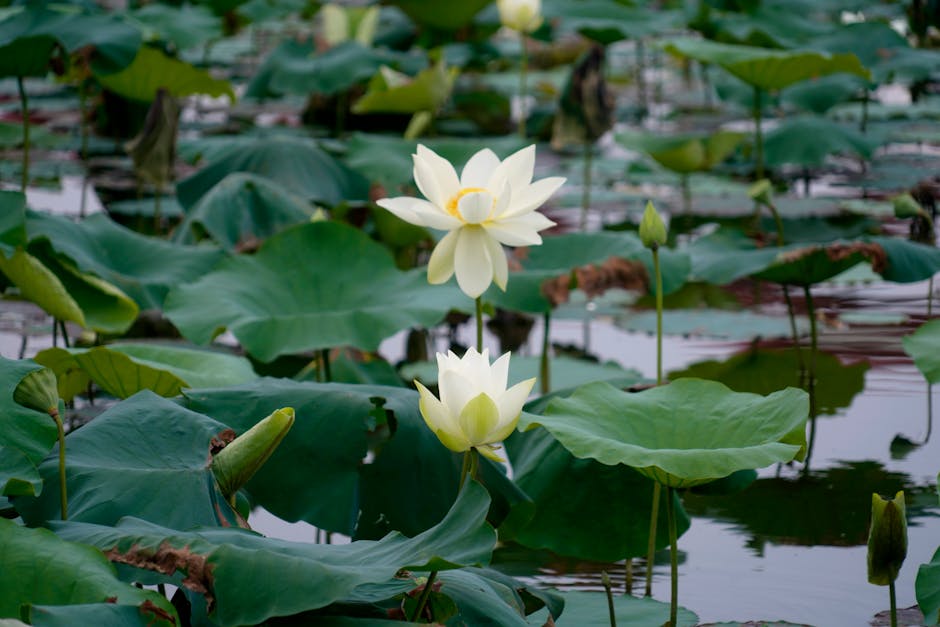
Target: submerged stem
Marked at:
651, 547
673, 557
544, 364
479, 315
24, 106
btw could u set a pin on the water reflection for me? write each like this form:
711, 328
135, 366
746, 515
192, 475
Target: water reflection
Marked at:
825, 507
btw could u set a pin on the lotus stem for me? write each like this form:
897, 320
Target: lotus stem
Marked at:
63, 490
651, 546
641, 75
65, 333
479, 316
758, 136
156, 210
545, 372
610, 598
423, 599
325, 361
894, 604
863, 123
83, 112
471, 463
673, 556
686, 194
24, 107
586, 189
930, 298
628, 576
523, 70
811, 312
659, 316
791, 313
929, 412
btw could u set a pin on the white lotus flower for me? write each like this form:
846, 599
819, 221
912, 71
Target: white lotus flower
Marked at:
522, 15
475, 409
493, 202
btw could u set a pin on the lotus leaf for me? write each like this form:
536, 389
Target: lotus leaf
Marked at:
607, 21
686, 153
40, 568
242, 210
250, 578
450, 16
298, 166
686, 433
924, 348
565, 488
26, 435
124, 369
98, 614
807, 141
336, 427
347, 291
589, 609
822, 94
392, 92
765, 370
927, 589
132, 460
152, 70
771, 26
12, 222
185, 26
143, 267
765, 68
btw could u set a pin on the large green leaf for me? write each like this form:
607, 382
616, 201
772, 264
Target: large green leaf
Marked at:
685, 153
927, 588
152, 70
38, 284
346, 290
249, 578
589, 609
26, 435
686, 433
565, 488
28, 38
99, 614
243, 209
924, 348
766, 68
39, 568
767, 370
297, 165
142, 267
318, 473
126, 368
133, 460
12, 222
807, 141
907, 261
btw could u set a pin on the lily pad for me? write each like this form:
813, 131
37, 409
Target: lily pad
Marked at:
808, 141
290, 577
685, 153
40, 568
683, 434
589, 609
924, 348
606, 22
124, 369
347, 291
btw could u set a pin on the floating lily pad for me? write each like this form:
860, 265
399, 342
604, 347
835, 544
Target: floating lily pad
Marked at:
290, 577
683, 434
589, 609
346, 291
808, 141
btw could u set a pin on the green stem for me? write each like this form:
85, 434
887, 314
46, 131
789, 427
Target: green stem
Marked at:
686, 194
778, 222
673, 556
791, 312
811, 312
628, 577
65, 334
423, 599
610, 598
930, 298
586, 190
325, 360
156, 211
83, 112
523, 70
659, 316
641, 74
24, 106
758, 136
479, 314
471, 463
863, 124
894, 604
63, 490
545, 372
651, 547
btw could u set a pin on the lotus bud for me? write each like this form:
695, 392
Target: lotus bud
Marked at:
887, 539
522, 15
760, 192
38, 391
234, 465
652, 228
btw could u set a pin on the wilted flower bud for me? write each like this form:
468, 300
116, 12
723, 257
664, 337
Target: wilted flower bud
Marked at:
652, 227
475, 409
887, 539
234, 465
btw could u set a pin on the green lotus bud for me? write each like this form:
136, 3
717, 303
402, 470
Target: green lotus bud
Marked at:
887, 539
652, 227
38, 390
760, 192
905, 206
234, 465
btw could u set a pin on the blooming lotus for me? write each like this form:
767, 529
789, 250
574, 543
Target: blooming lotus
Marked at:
522, 15
492, 203
475, 409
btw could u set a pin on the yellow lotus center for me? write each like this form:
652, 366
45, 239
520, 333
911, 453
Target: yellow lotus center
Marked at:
454, 201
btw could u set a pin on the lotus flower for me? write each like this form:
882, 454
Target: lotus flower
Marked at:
493, 202
475, 409
522, 15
